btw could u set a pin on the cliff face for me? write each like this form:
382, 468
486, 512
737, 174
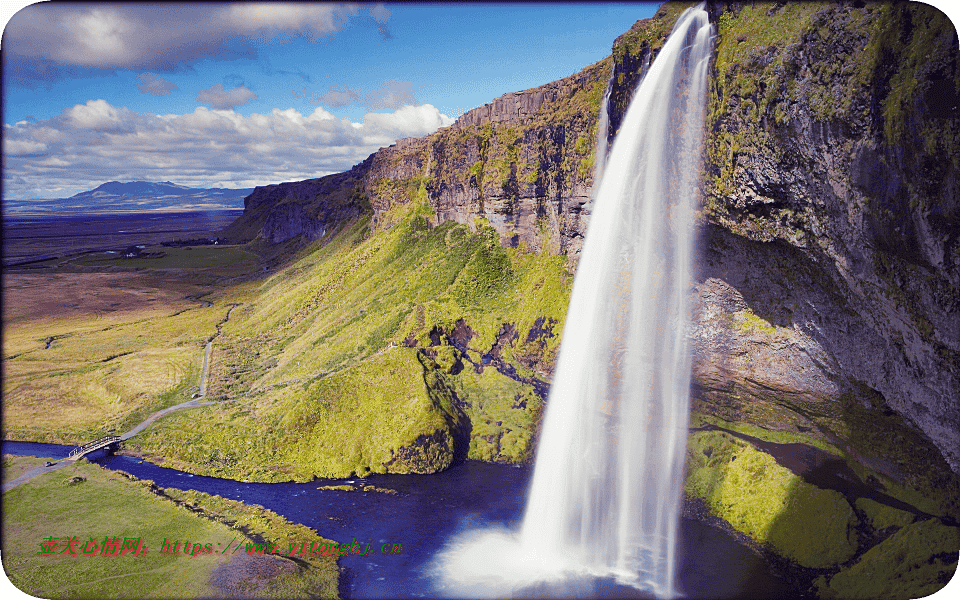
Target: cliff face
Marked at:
311, 208
523, 164
837, 138
827, 288
833, 132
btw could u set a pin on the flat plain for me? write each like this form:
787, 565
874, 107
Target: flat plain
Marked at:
92, 344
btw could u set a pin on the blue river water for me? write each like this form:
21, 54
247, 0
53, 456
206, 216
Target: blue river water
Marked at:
427, 512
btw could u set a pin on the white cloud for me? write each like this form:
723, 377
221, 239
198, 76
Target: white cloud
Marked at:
96, 142
311, 20
99, 115
22, 147
157, 37
394, 93
407, 121
151, 83
222, 98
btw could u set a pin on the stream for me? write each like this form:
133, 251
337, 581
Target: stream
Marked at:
427, 512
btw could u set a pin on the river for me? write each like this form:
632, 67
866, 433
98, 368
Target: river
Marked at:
427, 513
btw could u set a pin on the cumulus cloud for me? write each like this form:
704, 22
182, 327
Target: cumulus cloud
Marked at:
222, 98
151, 83
43, 39
393, 94
95, 142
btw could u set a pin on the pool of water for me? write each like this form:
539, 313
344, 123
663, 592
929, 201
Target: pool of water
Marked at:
427, 512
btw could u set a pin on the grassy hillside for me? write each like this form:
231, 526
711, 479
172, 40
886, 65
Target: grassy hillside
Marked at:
378, 353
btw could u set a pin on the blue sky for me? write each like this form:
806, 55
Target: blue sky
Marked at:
237, 95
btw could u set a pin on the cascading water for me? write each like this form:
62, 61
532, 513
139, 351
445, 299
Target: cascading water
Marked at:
606, 491
608, 476
603, 131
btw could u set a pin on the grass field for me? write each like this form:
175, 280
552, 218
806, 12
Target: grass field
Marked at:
86, 501
92, 354
188, 257
322, 374
15, 466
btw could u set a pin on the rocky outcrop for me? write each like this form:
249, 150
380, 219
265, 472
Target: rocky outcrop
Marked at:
307, 209
522, 164
287, 221
838, 141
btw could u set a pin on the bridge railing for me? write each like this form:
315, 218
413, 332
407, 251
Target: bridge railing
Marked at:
95, 445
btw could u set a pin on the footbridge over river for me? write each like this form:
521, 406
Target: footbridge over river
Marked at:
104, 442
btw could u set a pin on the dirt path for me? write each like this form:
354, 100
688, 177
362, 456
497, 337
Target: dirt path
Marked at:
192, 403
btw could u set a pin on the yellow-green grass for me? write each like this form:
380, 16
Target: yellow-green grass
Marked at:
817, 528
882, 516
358, 421
92, 400
356, 296
930, 495
915, 562
97, 379
15, 466
357, 299
767, 435
861, 435
747, 488
85, 501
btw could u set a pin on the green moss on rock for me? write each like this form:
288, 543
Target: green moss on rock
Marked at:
747, 488
915, 562
882, 516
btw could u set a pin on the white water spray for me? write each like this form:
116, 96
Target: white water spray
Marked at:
606, 490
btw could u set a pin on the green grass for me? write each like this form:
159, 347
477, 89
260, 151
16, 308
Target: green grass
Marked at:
15, 466
882, 516
98, 378
187, 257
304, 357
367, 418
103, 503
915, 562
748, 489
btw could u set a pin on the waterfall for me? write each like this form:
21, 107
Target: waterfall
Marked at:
608, 479
603, 132
606, 490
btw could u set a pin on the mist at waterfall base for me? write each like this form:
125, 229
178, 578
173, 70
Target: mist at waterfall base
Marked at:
605, 498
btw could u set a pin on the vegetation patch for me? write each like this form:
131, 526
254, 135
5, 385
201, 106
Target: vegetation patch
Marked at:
748, 489
104, 504
916, 561
503, 414
376, 417
97, 378
15, 466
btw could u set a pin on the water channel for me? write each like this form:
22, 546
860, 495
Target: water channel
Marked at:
427, 513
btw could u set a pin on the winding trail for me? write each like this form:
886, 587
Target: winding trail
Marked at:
192, 403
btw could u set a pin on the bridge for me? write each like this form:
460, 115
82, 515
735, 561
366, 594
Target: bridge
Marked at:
104, 442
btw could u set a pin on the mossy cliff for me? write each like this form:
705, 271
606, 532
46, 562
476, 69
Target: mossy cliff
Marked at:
828, 291
422, 325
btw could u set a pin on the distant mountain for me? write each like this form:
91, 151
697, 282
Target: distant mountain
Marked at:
136, 188
136, 196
